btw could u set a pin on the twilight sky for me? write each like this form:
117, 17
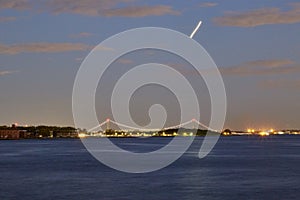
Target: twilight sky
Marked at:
255, 44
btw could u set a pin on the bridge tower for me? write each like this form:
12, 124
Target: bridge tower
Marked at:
194, 123
107, 124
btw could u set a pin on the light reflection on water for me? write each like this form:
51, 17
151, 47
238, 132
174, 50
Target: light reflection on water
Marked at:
237, 168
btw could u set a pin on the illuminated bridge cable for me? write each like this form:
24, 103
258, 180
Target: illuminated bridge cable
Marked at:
98, 126
178, 126
152, 130
203, 125
141, 129
132, 128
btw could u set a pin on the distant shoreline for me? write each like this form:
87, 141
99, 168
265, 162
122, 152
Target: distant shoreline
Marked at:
78, 138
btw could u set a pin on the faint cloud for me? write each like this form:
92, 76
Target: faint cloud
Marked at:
176, 65
102, 48
180, 67
42, 48
7, 19
141, 11
105, 8
149, 52
124, 61
260, 17
82, 7
208, 4
82, 35
79, 59
268, 63
14, 4
281, 83
187, 69
2, 73
261, 67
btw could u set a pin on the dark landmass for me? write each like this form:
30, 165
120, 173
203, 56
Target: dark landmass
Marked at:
52, 132
30, 132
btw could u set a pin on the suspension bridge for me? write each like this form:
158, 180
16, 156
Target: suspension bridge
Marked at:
106, 125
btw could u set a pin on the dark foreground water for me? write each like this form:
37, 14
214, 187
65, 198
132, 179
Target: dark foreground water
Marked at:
237, 168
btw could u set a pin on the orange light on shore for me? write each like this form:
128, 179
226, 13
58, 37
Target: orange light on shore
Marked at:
249, 130
82, 135
263, 133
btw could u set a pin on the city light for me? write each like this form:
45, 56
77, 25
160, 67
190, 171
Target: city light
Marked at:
249, 130
82, 135
263, 133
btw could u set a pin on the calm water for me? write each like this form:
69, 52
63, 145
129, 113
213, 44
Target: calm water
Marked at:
238, 168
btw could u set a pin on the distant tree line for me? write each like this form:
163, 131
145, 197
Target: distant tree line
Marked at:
43, 131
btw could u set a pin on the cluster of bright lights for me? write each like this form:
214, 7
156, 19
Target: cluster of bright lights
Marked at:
82, 135
261, 132
249, 130
264, 133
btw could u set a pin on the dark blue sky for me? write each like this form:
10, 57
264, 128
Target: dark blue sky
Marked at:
254, 43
